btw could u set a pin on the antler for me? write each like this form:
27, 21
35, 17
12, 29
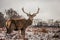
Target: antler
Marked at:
36, 12
24, 11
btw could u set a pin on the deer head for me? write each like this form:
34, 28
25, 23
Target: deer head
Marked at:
29, 15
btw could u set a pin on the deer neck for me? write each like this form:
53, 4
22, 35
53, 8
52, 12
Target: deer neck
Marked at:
30, 19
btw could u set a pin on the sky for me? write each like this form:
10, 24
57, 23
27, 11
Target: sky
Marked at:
49, 9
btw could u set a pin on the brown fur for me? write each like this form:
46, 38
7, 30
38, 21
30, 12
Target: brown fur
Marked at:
20, 24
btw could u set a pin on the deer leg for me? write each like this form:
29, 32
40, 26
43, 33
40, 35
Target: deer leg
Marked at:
23, 33
9, 31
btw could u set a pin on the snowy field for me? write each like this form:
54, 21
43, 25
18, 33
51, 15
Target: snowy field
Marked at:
32, 34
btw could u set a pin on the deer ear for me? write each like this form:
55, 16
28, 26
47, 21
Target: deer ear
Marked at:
33, 15
28, 14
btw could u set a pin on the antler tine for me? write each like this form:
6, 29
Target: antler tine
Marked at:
24, 11
36, 12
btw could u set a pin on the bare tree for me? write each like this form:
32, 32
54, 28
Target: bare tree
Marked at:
11, 13
2, 20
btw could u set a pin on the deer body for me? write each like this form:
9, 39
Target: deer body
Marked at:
21, 24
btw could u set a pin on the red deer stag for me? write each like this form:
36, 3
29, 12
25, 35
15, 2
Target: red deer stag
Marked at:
21, 24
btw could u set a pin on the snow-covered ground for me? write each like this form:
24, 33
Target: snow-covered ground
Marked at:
31, 34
